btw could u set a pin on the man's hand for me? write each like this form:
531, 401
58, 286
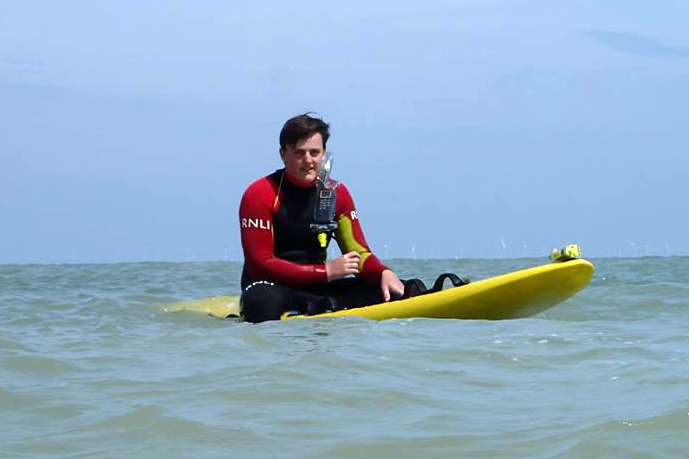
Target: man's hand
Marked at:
343, 266
391, 285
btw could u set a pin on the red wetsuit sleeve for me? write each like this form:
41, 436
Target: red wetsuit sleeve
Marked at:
256, 211
350, 237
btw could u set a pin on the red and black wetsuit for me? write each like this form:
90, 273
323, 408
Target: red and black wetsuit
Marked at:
281, 250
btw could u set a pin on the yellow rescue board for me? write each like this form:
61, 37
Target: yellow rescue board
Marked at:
221, 307
509, 296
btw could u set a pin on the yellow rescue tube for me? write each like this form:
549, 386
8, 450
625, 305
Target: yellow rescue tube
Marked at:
513, 295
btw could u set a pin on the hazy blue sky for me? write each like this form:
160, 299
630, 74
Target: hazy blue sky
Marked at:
128, 130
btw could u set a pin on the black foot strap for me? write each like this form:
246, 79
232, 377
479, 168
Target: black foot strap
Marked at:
454, 278
414, 287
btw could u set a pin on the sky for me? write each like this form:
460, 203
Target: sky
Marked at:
469, 129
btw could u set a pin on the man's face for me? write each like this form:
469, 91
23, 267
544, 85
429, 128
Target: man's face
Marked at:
303, 160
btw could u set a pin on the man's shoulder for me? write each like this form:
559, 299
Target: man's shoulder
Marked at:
342, 188
345, 203
267, 185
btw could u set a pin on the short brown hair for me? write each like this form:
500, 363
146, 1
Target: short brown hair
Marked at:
302, 127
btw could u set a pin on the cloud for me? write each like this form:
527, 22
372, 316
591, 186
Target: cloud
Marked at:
638, 44
21, 62
19, 68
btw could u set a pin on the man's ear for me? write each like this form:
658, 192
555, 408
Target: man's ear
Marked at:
282, 155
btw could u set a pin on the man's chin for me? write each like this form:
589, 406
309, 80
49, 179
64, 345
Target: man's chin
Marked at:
307, 180
304, 179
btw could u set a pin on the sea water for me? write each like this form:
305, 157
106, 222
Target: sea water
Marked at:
92, 366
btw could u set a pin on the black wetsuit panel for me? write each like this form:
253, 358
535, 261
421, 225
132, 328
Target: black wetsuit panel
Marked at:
294, 240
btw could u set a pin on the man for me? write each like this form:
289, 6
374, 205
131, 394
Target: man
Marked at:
285, 265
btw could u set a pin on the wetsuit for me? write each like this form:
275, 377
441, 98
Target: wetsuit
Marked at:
284, 264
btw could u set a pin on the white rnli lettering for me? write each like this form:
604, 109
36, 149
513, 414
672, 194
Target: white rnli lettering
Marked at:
353, 215
258, 223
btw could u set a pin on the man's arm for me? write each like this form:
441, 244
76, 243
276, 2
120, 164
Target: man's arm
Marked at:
350, 237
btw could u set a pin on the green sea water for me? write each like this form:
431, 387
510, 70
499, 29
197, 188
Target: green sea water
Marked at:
92, 366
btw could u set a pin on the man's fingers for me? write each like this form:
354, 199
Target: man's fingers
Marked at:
386, 293
399, 288
352, 267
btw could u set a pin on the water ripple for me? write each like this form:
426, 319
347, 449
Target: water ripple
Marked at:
93, 368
